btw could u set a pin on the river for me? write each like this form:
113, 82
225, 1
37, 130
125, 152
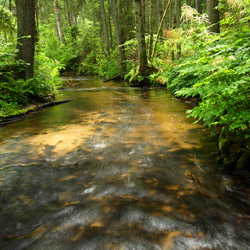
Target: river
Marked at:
117, 168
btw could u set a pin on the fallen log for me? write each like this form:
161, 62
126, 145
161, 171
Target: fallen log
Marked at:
14, 118
50, 104
116, 77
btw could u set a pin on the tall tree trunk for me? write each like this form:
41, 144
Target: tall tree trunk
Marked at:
150, 30
121, 24
110, 23
143, 4
170, 16
178, 21
213, 15
118, 33
178, 13
171, 27
58, 21
105, 28
26, 27
198, 6
37, 21
142, 56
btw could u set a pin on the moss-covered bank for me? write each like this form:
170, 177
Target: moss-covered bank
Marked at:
234, 152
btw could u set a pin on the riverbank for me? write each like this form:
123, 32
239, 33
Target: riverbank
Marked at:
233, 155
22, 113
220, 93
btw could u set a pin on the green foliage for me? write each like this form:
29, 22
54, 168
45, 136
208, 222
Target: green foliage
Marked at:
107, 67
47, 79
139, 78
66, 54
7, 23
133, 76
16, 93
9, 66
219, 75
94, 59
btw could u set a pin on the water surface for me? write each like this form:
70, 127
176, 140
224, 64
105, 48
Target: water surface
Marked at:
116, 168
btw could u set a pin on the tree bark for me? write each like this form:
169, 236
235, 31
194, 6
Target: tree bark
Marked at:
142, 56
150, 30
110, 23
121, 23
198, 6
37, 21
105, 28
26, 27
178, 22
178, 13
143, 4
118, 33
171, 16
213, 15
58, 21
171, 26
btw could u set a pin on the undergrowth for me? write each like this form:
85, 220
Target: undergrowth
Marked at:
218, 73
16, 93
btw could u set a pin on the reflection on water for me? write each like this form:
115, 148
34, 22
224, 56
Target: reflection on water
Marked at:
116, 168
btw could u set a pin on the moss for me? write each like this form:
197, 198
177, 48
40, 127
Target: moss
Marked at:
224, 142
234, 151
140, 78
243, 162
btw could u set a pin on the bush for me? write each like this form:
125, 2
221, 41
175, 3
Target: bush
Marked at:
15, 92
220, 76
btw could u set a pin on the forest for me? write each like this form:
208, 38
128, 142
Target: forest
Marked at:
199, 49
124, 124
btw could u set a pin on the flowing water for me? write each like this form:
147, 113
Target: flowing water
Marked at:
116, 168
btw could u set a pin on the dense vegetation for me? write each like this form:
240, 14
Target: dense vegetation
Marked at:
200, 49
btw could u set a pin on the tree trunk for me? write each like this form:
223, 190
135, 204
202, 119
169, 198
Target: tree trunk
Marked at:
198, 6
178, 21
213, 15
37, 21
26, 27
58, 21
105, 28
170, 16
121, 24
118, 33
142, 56
171, 27
110, 24
178, 13
143, 4
150, 30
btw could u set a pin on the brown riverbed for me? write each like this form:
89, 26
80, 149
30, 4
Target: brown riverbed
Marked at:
116, 168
